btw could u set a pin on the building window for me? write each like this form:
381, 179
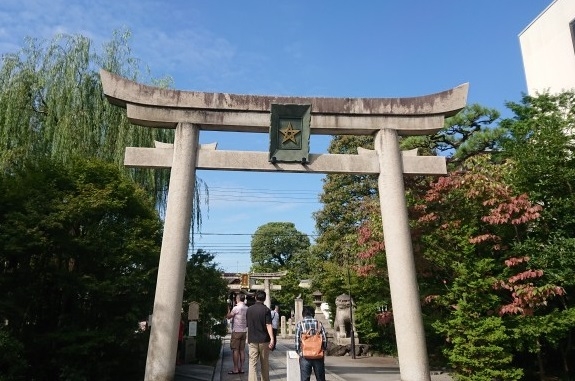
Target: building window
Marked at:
572, 29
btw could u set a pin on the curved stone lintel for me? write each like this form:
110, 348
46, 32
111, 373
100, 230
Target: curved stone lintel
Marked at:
171, 106
276, 275
217, 120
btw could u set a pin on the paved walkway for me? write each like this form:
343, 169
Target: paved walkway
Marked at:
338, 368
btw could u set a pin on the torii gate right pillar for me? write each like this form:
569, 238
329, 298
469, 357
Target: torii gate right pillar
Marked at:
409, 332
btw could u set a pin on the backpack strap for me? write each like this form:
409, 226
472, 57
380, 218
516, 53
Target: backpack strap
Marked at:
302, 329
317, 325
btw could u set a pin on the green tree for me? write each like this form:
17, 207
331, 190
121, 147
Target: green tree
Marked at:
472, 131
52, 105
350, 221
280, 247
13, 360
341, 198
304, 265
79, 246
473, 220
348, 200
275, 244
479, 349
204, 284
539, 144
337, 222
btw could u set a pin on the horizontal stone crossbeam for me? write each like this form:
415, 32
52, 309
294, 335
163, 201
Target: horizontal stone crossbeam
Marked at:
209, 158
273, 287
276, 275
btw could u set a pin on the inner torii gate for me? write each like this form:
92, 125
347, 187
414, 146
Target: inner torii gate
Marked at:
189, 112
267, 286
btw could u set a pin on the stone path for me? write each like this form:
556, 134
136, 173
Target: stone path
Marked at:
338, 368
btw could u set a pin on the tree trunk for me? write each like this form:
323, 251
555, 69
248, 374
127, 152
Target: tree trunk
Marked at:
540, 362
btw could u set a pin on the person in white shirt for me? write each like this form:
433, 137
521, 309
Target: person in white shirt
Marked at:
239, 329
275, 323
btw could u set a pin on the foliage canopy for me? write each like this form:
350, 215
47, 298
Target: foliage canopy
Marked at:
79, 246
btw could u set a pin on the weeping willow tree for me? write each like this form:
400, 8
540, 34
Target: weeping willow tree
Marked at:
52, 106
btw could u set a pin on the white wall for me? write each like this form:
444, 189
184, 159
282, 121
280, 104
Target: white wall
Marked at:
547, 49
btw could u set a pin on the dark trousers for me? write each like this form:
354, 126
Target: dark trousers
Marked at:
275, 331
305, 367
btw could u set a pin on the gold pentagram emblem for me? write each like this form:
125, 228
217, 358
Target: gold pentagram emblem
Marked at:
289, 133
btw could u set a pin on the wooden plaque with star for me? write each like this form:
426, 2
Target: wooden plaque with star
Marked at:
289, 133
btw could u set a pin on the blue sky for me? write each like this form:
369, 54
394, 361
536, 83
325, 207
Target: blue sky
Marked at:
330, 48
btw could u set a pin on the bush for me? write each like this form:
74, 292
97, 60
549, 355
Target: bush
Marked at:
12, 359
208, 350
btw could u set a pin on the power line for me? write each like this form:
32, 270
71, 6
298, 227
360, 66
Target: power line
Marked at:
261, 195
252, 234
262, 200
231, 248
264, 190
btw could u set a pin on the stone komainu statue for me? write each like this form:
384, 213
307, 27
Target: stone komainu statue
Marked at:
342, 323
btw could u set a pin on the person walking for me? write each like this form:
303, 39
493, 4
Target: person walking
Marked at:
260, 337
239, 329
311, 325
275, 324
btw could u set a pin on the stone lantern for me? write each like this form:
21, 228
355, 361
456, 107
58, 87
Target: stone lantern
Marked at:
317, 301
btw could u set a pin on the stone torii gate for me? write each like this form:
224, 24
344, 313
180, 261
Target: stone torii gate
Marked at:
189, 112
267, 286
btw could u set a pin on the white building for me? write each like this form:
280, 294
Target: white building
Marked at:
548, 49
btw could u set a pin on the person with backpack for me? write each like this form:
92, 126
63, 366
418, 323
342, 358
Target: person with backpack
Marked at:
310, 345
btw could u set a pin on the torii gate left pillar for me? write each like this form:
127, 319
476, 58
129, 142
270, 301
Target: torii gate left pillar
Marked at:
174, 254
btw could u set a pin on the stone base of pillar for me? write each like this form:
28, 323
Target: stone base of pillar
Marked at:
345, 341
